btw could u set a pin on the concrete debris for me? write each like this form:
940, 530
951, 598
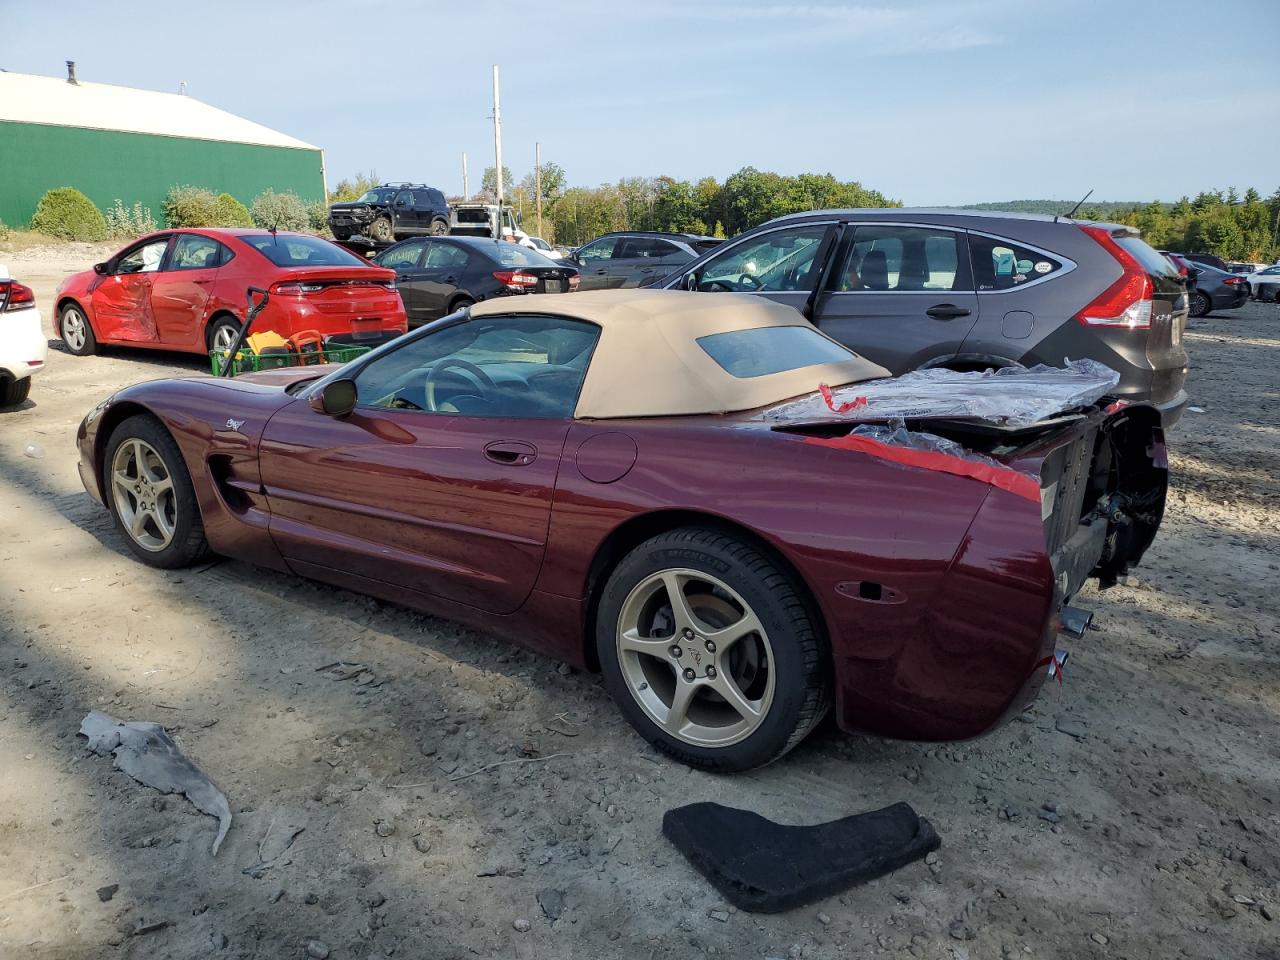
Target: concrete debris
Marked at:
145, 752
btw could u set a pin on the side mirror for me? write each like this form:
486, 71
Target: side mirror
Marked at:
101, 269
337, 399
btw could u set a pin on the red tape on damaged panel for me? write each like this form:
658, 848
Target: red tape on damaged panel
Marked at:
1005, 478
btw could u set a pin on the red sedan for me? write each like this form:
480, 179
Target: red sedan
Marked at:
185, 290
609, 478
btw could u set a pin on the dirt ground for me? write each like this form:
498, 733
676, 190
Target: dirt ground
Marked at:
1135, 812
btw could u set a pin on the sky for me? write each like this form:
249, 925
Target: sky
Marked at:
929, 102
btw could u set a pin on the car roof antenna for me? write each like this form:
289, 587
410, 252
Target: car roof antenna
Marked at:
1072, 212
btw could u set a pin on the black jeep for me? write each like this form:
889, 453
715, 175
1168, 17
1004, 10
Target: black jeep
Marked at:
392, 211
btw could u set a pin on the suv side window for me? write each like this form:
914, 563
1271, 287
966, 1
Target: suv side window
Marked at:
886, 257
775, 261
404, 199
532, 366
601, 249
1003, 264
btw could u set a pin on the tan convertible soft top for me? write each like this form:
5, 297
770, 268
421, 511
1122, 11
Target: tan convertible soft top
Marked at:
648, 363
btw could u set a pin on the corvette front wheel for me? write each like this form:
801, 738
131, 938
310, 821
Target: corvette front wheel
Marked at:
709, 651
150, 495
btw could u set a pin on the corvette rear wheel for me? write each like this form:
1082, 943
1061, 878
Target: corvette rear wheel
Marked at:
709, 651
150, 495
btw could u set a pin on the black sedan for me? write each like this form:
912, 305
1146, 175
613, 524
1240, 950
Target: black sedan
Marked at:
438, 275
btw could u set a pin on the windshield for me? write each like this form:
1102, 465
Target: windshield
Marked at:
299, 250
377, 196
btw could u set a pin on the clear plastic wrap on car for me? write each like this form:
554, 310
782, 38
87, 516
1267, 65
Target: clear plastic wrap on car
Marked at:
1016, 396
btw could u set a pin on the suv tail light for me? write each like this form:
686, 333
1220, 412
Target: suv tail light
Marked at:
1127, 302
515, 280
16, 296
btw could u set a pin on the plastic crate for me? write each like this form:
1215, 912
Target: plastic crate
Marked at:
248, 362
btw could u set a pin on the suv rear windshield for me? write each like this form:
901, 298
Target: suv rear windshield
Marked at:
765, 350
1151, 260
298, 250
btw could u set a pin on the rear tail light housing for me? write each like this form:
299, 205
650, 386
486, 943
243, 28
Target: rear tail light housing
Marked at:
16, 296
516, 280
295, 288
574, 280
1233, 281
1127, 302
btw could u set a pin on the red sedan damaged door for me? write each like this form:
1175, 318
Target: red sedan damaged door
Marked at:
122, 308
452, 506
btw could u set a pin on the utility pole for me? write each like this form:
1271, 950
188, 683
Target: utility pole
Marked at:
497, 143
537, 182
466, 187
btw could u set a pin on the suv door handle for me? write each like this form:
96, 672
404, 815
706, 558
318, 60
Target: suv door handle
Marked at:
511, 453
601, 272
947, 311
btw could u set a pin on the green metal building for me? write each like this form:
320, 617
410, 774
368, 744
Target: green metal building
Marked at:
133, 145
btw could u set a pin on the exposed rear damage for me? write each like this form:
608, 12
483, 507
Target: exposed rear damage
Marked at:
1072, 497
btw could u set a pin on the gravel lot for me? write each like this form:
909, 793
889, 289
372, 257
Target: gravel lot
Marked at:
1135, 812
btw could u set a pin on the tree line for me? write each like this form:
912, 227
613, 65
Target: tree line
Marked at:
1236, 227
574, 215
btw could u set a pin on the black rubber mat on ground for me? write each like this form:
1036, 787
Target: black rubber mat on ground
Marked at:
765, 867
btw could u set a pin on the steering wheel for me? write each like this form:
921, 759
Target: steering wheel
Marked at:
753, 283
453, 363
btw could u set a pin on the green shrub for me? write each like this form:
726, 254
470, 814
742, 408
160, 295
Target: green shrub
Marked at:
124, 222
279, 211
188, 206
232, 213
318, 214
69, 214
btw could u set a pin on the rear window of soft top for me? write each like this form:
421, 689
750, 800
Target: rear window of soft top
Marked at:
765, 350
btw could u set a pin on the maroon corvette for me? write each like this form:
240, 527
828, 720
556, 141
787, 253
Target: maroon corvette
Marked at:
592, 476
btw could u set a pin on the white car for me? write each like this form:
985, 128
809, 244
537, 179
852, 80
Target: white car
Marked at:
1264, 284
23, 346
544, 248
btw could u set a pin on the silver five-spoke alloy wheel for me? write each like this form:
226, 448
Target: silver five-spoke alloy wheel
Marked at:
223, 337
144, 496
695, 657
73, 328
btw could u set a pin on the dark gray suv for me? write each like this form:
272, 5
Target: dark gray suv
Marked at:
969, 290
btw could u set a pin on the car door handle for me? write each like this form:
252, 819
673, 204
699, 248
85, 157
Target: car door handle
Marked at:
450, 279
601, 272
947, 311
511, 453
